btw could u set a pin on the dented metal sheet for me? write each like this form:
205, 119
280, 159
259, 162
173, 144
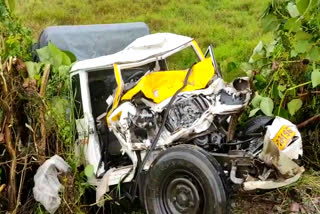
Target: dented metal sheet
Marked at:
148, 114
279, 158
150, 46
161, 85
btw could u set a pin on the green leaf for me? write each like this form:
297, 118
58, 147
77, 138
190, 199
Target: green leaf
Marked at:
65, 59
71, 56
270, 48
89, 171
315, 78
292, 25
294, 105
293, 53
244, 66
284, 113
266, 106
33, 69
56, 55
44, 54
301, 35
270, 23
260, 81
302, 46
257, 53
314, 54
258, 48
53, 55
293, 10
256, 100
281, 88
247, 68
302, 5
253, 112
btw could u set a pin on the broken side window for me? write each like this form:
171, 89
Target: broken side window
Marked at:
182, 60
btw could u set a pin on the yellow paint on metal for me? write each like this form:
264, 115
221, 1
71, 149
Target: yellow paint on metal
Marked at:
196, 46
116, 99
283, 137
159, 86
117, 116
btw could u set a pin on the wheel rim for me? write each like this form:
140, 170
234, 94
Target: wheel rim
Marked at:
181, 193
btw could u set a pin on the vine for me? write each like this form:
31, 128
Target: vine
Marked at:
286, 70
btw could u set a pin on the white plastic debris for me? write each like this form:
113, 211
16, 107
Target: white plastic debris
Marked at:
103, 187
47, 185
294, 150
282, 160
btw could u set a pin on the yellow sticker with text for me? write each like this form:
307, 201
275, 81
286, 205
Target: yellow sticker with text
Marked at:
283, 137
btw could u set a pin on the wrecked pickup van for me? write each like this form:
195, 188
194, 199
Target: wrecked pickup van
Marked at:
169, 131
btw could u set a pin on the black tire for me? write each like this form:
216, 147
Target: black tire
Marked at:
256, 124
185, 179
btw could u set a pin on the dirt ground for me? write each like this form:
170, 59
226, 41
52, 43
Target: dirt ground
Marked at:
293, 200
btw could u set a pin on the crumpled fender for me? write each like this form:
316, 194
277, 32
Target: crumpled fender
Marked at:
161, 85
282, 160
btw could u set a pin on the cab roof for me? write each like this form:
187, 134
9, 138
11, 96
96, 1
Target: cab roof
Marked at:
91, 41
149, 46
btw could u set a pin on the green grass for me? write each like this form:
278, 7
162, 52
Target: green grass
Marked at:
233, 27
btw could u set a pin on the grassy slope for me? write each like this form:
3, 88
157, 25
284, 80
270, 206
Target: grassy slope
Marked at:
233, 27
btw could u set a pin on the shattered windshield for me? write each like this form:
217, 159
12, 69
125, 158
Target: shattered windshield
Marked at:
182, 60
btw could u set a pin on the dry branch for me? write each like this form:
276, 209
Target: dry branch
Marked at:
42, 144
23, 175
12, 190
310, 120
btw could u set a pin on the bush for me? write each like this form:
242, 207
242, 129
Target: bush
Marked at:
286, 70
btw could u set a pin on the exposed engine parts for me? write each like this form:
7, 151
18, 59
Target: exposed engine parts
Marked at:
192, 116
211, 142
158, 111
186, 111
145, 119
144, 125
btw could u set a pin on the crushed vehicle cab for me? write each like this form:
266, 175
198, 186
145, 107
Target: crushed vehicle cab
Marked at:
170, 133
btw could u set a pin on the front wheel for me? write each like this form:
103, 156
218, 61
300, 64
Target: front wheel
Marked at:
183, 180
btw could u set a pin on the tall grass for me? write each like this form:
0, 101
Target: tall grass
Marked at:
233, 27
